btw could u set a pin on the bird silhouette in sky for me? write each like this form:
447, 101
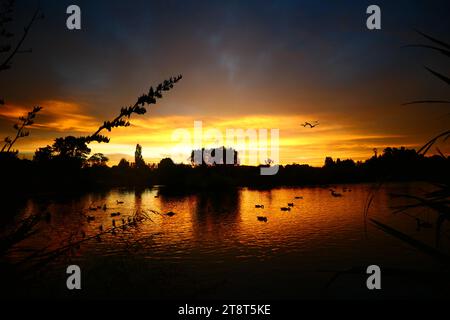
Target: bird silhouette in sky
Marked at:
311, 125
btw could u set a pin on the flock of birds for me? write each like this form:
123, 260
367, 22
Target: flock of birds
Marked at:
116, 218
129, 221
290, 205
287, 208
132, 220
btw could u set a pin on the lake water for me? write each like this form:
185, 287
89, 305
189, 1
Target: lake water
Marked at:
215, 246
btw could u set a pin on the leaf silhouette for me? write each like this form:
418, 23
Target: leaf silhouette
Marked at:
439, 75
425, 101
443, 51
439, 42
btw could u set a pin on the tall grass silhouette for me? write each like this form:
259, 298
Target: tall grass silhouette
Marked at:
438, 201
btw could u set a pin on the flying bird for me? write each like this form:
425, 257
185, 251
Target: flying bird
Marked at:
311, 125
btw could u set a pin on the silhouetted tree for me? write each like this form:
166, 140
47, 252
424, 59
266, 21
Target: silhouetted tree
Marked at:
43, 154
166, 164
69, 148
138, 159
347, 163
123, 164
98, 160
207, 156
166, 172
375, 152
329, 162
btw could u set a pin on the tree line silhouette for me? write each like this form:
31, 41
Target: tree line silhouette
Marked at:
66, 166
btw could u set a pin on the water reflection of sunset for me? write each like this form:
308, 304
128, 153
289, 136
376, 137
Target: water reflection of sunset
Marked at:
223, 224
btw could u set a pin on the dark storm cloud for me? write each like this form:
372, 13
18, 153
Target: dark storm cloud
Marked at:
242, 51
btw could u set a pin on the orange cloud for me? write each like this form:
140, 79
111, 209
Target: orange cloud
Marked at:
55, 115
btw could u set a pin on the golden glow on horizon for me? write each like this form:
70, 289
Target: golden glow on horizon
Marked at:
333, 137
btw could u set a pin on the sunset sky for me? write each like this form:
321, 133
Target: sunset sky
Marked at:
245, 64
